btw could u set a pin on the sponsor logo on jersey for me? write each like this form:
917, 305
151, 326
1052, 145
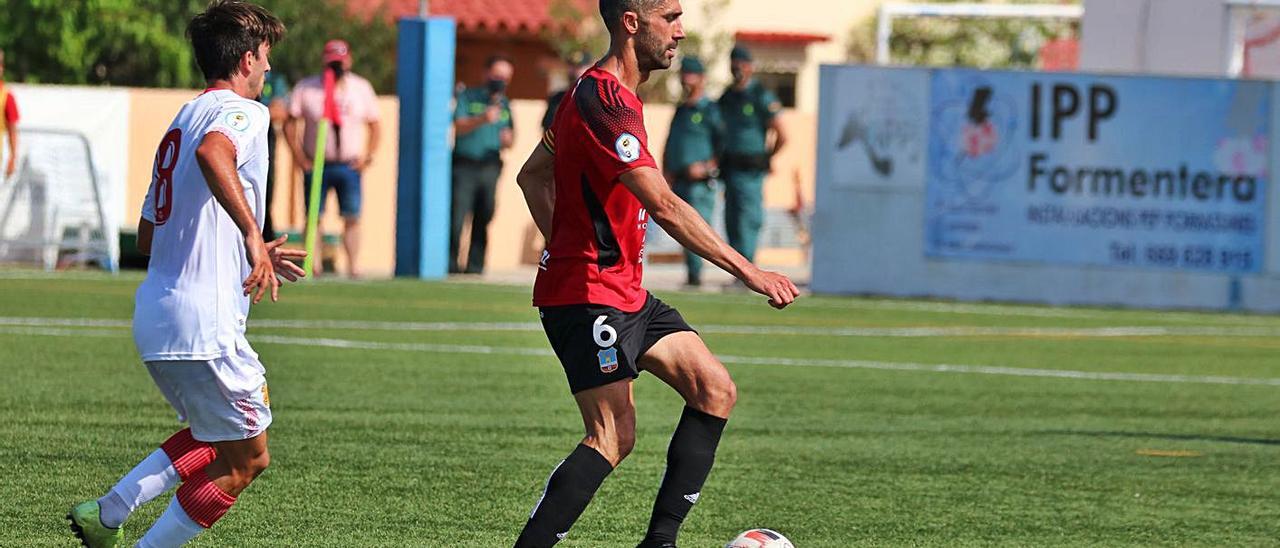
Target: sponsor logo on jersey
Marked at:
628, 147
238, 120
608, 360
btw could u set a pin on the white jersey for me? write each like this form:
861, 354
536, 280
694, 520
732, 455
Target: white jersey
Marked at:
192, 306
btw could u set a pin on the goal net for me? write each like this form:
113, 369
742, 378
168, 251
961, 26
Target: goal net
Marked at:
52, 212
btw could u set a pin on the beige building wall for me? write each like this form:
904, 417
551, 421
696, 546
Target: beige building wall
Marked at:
513, 238
152, 111
834, 18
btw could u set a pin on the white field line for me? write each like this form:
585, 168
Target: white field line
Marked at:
1000, 310
852, 303
729, 359
892, 332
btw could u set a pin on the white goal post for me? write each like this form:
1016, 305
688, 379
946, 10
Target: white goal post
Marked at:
892, 10
53, 212
1252, 38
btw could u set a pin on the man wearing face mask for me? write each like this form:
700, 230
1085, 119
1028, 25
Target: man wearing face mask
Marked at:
482, 130
689, 162
352, 142
8, 125
750, 113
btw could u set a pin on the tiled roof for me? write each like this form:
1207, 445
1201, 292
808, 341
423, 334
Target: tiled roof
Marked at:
497, 16
769, 37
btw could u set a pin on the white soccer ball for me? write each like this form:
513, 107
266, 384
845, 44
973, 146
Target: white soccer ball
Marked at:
760, 538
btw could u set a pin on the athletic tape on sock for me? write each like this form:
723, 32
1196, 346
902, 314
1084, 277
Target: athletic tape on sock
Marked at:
187, 453
203, 501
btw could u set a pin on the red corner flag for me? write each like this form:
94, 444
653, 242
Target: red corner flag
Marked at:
331, 111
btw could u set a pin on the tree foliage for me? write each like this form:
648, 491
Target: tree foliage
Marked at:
663, 86
143, 42
970, 42
125, 42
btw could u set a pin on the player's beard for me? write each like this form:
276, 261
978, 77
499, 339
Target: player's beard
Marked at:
652, 53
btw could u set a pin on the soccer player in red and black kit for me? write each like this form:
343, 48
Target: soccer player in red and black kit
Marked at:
591, 186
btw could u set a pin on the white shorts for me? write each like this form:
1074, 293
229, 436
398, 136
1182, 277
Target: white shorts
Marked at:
225, 399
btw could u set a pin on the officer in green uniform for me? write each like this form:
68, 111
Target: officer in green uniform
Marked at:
482, 129
275, 95
689, 161
750, 113
579, 63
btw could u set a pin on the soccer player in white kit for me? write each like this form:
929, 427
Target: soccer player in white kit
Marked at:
200, 224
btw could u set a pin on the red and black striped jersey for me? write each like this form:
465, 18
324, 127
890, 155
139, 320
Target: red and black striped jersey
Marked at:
596, 250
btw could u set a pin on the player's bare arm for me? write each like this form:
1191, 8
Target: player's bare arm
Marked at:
375, 138
684, 224
779, 135
292, 126
217, 158
471, 123
13, 149
537, 182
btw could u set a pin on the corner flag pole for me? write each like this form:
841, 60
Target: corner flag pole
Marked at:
330, 117
316, 194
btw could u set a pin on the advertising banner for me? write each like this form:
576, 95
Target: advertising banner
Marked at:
1160, 173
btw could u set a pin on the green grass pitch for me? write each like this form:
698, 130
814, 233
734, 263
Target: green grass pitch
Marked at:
429, 414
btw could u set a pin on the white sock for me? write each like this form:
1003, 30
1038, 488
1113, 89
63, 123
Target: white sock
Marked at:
149, 479
173, 529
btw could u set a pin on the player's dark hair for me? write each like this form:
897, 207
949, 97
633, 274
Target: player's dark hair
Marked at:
611, 10
226, 30
495, 59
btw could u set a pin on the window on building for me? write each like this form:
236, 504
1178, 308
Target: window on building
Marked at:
782, 84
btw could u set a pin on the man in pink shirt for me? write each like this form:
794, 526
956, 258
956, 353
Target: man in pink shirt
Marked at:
353, 139
8, 124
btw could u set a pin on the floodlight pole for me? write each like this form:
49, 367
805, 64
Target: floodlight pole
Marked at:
422, 9
889, 10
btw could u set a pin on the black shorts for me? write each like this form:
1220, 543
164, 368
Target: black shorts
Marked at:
598, 345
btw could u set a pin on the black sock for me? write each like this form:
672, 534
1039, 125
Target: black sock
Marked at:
689, 459
568, 491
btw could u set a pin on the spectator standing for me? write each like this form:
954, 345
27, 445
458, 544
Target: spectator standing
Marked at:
750, 113
482, 128
352, 143
8, 122
689, 160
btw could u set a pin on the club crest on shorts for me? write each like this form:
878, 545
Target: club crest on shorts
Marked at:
628, 147
608, 360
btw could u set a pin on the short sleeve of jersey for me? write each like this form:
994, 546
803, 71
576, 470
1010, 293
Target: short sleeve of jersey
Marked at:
460, 105
371, 102
241, 121
10, 110
149, 204
296, 98
620, 141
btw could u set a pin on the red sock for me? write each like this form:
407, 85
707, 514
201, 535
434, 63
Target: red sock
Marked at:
187, 454
203, 501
